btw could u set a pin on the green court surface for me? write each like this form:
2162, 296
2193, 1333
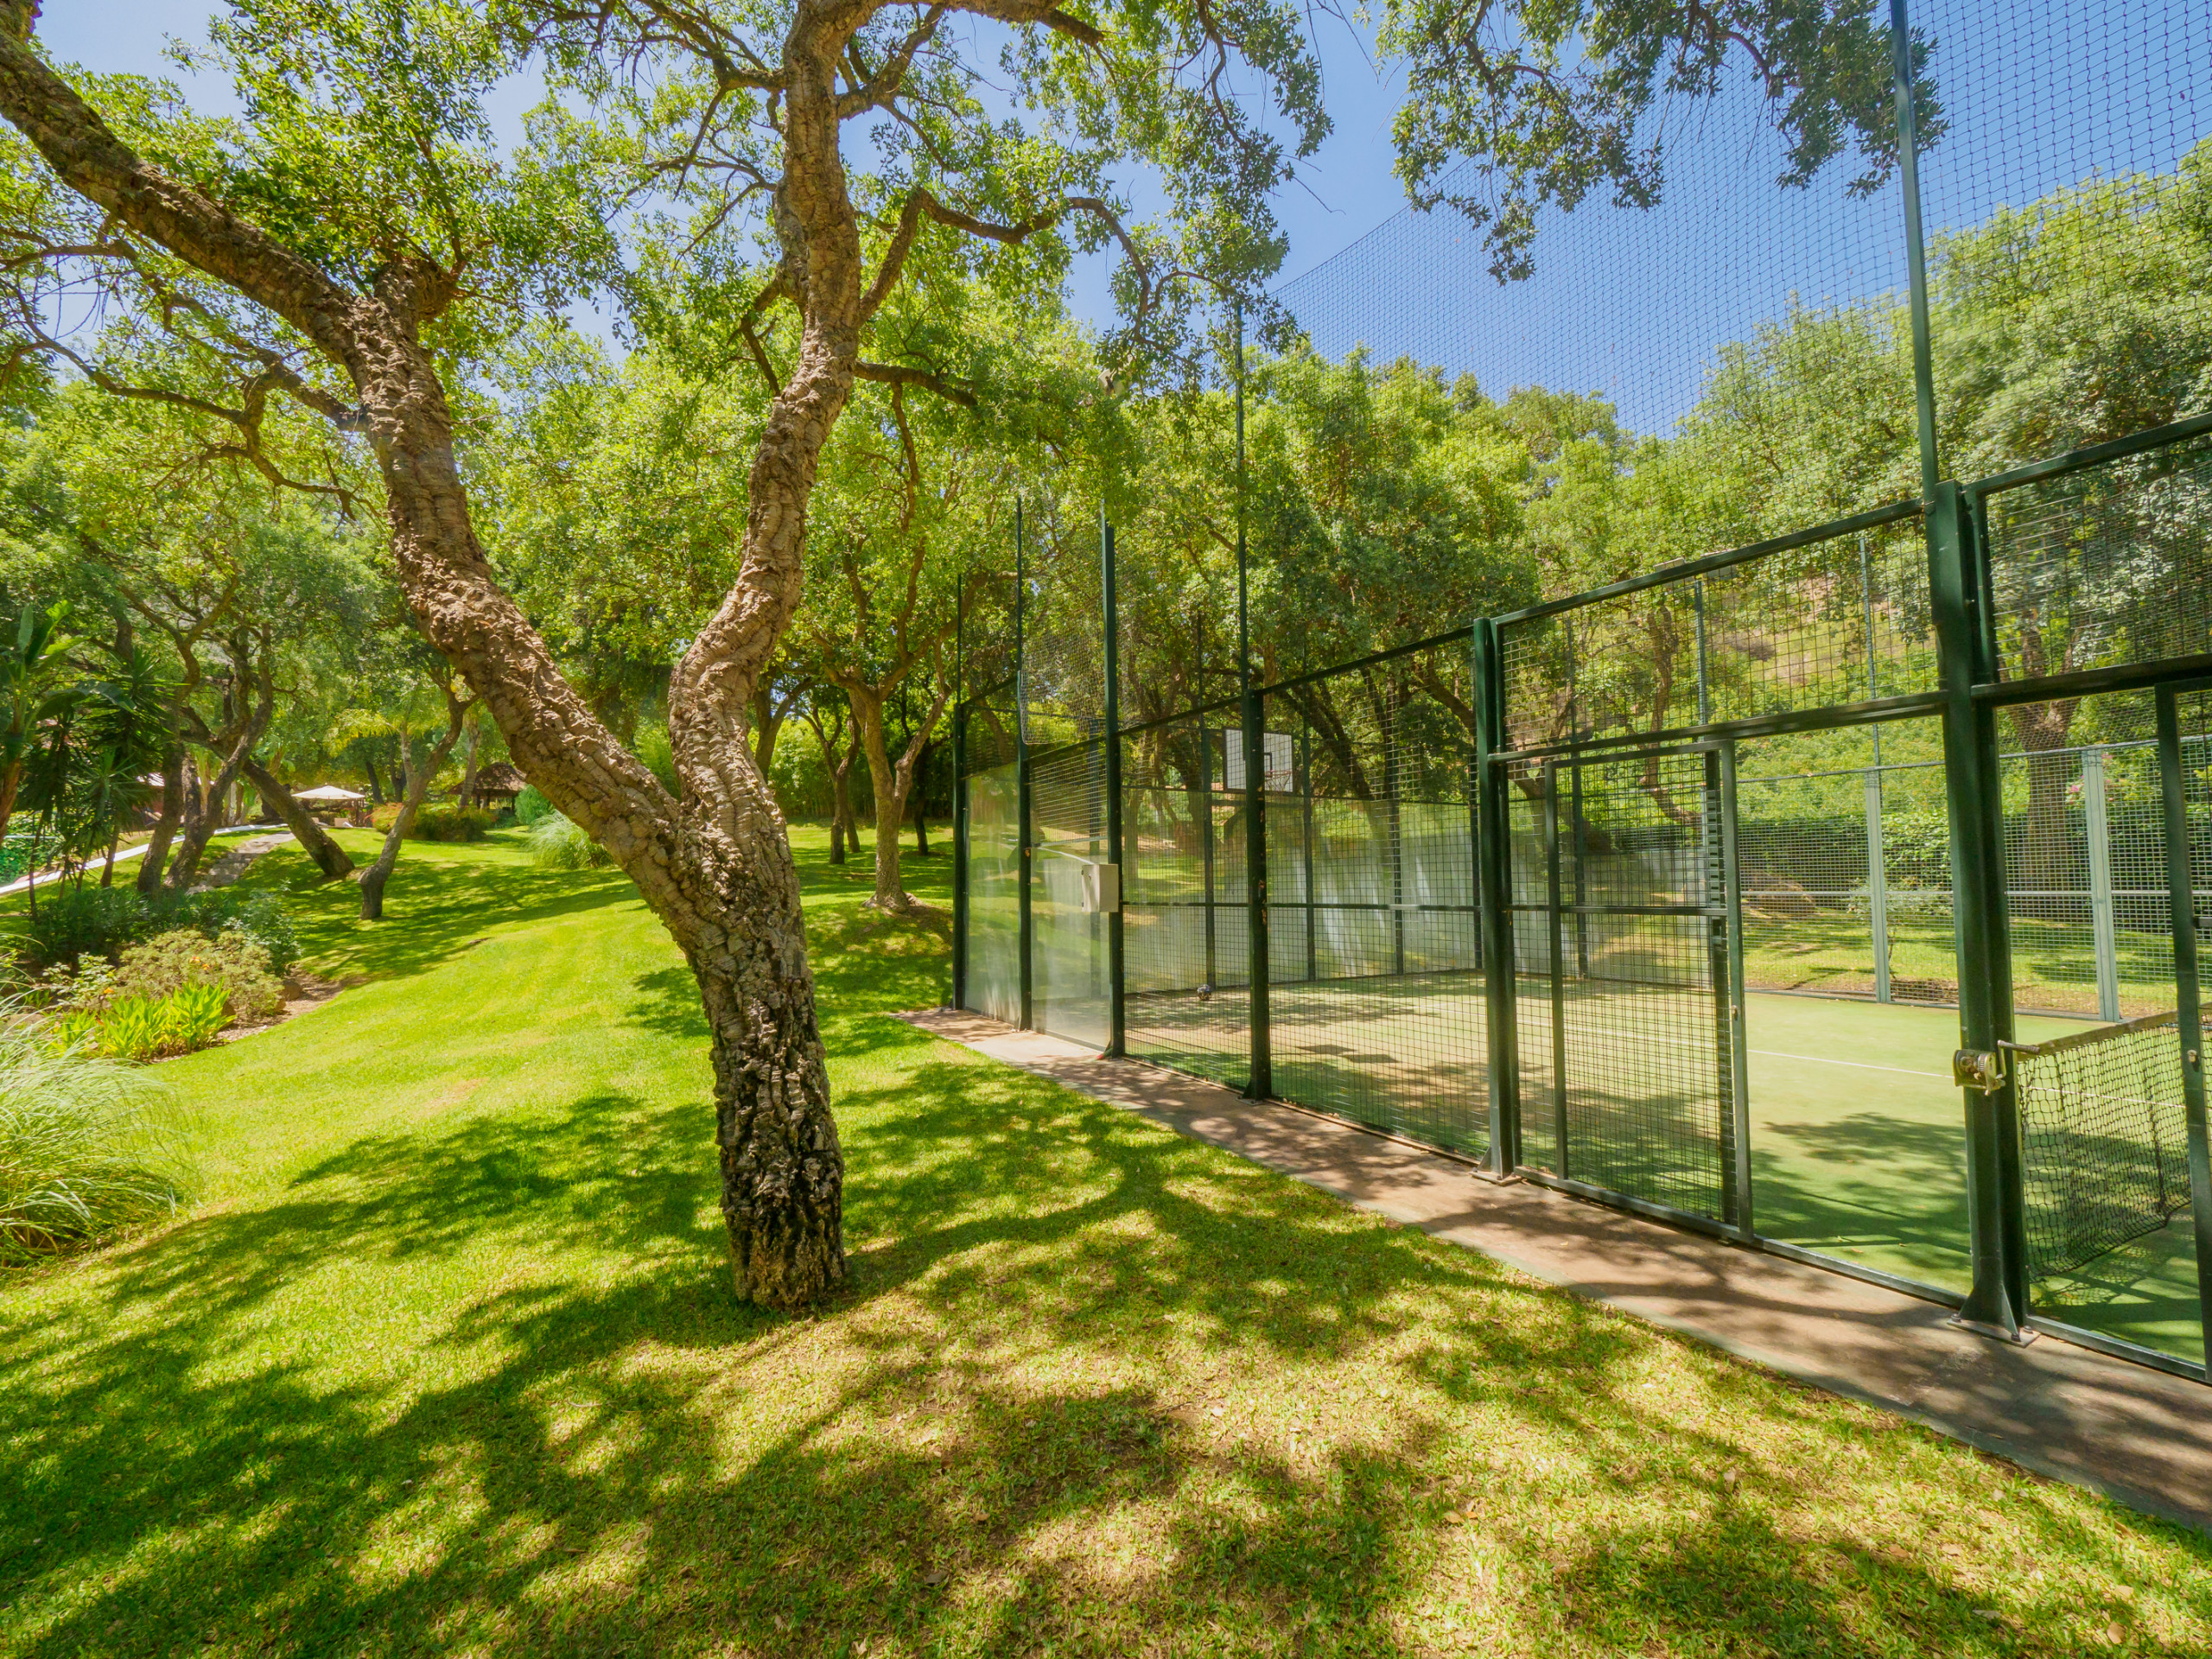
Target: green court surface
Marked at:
1857, 1130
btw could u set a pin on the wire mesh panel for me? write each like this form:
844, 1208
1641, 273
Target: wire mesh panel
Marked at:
2103, 1136
1717, 293
2106, 567
2103, 1129
1184, 931
1839, 620
2085, 859
1632, 906
1063, 679
993, 939
1068, 987
1377, 1006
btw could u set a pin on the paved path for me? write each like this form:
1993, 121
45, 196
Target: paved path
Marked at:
2135, 1434
46, 877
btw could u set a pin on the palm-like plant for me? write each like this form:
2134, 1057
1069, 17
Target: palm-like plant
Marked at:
32, 692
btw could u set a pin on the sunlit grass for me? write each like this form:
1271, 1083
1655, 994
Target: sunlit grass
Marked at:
446, 1361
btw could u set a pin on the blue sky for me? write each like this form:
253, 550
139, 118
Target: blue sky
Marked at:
1633, 305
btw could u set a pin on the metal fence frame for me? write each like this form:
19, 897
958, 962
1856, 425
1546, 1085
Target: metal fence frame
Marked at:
1967, 688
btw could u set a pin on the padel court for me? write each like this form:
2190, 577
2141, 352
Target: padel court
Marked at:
1699, 896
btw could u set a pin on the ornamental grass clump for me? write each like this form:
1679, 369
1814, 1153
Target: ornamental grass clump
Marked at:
88, 1145
558, 844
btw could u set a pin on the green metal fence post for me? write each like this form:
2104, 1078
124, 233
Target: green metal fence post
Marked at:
1205, 845
1306, 770
960, 856
1735, 1074
1558, 973
1024, 916
1998, 1301
1493, 896
1877, 885
2181, 893
1261, 1084
1116, 979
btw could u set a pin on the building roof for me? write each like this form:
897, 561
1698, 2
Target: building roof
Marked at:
502, 777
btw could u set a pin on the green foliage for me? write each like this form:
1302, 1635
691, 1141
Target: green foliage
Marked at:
30, 848
531, 806
558, 844
87, 1145
141, 1028
76, 922
651, 746
100, 921
185, 956
452, 823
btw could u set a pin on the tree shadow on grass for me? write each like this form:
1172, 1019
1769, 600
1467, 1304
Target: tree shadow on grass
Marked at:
436, 906
1000, 1439
615, 1457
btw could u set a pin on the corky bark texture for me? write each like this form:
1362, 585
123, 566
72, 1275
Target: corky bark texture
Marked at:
716, 866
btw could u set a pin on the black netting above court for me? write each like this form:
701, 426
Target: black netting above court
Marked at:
1062, 624
2105, 567
1725, 294
2064, 205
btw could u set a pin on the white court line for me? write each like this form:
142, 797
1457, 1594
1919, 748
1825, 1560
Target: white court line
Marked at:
1809, 1059
1857, 1065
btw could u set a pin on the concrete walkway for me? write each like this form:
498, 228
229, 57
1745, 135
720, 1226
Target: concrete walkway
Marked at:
2135, 1434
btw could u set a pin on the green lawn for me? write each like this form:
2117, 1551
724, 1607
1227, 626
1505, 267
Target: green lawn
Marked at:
446, 1362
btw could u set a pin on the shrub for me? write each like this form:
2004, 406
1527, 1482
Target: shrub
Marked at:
253, 911
149, 1028
168, 962
101, 921
452, 823
89, 921
532, 805
558, 844
87, 1145
383, 817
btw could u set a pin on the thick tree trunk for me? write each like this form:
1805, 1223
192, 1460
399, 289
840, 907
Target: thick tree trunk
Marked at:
892, 782
919, 799
150, 868
468, 796
329, 857
11, 780
716, 868
204, 806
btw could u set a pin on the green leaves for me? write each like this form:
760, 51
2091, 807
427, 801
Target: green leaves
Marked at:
1551, 99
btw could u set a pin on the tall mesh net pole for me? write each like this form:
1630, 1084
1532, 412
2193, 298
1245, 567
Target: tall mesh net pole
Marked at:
1025, 808
1494, 893
1116, 961
1261, 1084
